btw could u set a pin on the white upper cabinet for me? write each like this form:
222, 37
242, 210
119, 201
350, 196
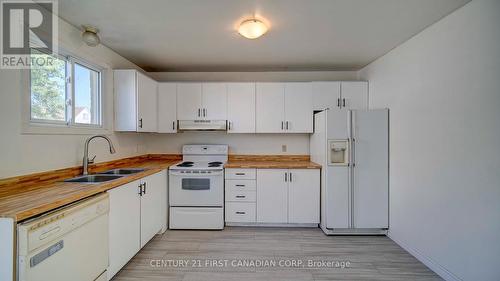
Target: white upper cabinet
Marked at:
214, 101
340, 95
189, 101
241, 107
284, 108
354, 95
167, 108
326, 95
135, 101
298, 108
270, 107
201, 101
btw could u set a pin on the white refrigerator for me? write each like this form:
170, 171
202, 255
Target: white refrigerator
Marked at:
353, 148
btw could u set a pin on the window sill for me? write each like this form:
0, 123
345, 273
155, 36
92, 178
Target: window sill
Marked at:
30, 128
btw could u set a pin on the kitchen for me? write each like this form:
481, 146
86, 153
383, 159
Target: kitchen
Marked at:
266, 158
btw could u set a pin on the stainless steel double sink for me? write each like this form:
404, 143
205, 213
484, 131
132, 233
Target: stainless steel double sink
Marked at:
105, 176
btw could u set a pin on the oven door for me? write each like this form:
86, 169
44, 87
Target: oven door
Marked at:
196, 189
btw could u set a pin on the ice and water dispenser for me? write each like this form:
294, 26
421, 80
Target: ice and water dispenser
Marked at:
338, 152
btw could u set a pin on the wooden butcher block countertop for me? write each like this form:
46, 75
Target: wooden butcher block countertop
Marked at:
271, 162
28, 196
24, 197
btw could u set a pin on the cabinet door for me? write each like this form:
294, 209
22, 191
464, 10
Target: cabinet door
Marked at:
188, 101
298, 108
125, 100
214, 101
326, 95
153, 206
147, 92
270, 107
272, 196
303, 196
241, 107
124, 225
167, 108
354, 95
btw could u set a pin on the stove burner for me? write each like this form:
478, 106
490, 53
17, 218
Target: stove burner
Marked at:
214, 164
186, 164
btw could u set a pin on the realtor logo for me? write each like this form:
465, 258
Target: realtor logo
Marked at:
27, 26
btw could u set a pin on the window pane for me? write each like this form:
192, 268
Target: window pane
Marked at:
48, 89
87, 98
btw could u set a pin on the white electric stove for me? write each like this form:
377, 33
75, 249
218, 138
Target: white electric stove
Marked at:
196, 188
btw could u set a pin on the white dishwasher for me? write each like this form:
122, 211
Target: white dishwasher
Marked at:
67, 244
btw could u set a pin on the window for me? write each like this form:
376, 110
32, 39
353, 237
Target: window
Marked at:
66, 93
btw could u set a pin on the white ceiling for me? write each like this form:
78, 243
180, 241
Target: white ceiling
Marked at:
200, 35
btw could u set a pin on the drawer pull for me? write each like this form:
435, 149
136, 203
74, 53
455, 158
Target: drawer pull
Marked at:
240, 213
240, 196
240, 174
240, 185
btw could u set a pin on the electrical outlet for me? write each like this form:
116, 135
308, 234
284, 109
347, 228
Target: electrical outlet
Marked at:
283, 148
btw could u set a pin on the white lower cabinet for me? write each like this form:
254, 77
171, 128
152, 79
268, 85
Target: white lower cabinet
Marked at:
303, 196
124, 225
272, 196
288, 196
137, 211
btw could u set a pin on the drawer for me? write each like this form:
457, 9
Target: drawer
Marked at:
241, 196
240, 174
240, 212
240, 185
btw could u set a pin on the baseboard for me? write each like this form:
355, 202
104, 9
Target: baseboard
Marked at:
430, 263
260, 224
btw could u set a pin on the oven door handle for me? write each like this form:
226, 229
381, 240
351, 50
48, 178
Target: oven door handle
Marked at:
195, 188
196, 175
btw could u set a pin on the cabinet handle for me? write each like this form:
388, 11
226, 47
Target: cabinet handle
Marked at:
144, 192
240, 174
240, 196
290, 177
140, 123
229, 123
199, 112
282, 125
286, 177
140, 189
338, 102
287, 125
240, 213
204, 112
240, 185
343, 102
173, 125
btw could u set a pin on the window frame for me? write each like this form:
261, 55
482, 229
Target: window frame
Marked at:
44, 126
99, 106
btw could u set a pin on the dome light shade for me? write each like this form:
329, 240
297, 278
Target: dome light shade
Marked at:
252, 29
90, 36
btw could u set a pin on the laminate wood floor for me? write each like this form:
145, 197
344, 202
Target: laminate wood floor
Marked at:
257, 253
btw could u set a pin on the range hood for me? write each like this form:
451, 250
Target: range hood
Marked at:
202, 125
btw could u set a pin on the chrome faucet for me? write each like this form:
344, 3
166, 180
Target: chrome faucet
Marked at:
86, 160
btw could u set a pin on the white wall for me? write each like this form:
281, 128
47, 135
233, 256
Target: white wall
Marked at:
238, 143
264, 76
27, 153
443, 90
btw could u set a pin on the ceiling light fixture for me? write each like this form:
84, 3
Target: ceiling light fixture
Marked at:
90, 36
252, 28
